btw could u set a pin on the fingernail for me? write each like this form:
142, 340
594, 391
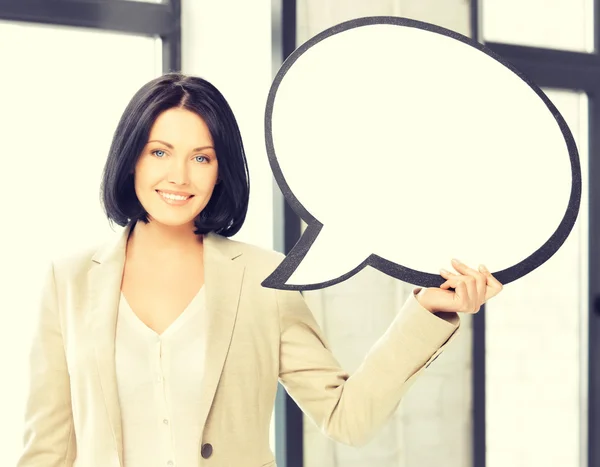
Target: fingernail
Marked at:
482, 268
456, 261
443, 271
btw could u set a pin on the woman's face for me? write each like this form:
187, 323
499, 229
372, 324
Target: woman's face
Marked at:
177, 170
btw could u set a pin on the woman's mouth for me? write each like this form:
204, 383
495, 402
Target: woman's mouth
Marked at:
174, 200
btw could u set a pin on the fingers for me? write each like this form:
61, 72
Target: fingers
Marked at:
465, 292
471, 288
478, 277
494, 287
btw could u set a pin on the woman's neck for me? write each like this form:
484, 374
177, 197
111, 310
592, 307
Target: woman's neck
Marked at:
162, 241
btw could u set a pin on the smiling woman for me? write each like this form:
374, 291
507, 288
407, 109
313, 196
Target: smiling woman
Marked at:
162, 346
178, 135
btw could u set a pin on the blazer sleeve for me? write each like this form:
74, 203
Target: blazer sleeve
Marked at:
49, 438
352, 409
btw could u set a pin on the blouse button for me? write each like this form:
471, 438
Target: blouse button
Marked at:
207, 450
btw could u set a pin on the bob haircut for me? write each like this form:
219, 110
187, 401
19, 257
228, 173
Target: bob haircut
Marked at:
226, 210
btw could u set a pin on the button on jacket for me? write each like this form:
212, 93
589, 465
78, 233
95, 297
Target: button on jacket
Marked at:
253, 338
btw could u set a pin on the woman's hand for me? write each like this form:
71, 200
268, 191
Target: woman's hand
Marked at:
471, 290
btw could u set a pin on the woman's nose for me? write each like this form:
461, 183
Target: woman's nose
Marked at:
178, 173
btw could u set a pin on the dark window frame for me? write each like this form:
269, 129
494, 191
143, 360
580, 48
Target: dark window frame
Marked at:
573, 71
289, 419
145, 19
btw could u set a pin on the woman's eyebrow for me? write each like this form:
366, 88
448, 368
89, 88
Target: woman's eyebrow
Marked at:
170, 146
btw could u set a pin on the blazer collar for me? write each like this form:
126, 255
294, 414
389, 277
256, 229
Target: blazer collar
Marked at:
223, 277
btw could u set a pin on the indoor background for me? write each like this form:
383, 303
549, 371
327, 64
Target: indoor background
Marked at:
520, 385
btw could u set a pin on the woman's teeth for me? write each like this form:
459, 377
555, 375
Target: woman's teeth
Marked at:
175, 197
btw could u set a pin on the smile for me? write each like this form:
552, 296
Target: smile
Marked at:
174, 199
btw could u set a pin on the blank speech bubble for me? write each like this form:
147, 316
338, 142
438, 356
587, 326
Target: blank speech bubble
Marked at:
403, 144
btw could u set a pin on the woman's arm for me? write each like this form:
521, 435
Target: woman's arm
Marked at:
49, 439
352, 409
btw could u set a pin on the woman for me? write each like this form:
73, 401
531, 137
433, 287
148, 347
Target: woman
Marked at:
162, 348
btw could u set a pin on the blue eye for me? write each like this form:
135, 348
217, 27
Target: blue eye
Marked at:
202, 157
158, 150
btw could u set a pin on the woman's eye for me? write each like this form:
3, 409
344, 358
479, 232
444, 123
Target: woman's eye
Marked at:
157, 151
201, 157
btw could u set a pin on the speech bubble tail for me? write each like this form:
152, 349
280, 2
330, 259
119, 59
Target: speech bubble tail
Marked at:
316, 261
278, 278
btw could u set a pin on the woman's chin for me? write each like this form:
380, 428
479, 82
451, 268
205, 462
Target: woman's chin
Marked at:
173, 220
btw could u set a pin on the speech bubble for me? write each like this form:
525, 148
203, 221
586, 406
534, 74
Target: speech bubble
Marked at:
403, 144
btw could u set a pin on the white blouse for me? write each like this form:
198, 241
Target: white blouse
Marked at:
159, 380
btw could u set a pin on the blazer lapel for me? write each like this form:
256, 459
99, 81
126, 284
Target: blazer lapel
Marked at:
104, 284
223, 277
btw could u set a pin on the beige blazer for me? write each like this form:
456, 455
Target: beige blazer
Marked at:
255, 337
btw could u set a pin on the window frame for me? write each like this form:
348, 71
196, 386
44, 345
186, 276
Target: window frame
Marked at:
133, 17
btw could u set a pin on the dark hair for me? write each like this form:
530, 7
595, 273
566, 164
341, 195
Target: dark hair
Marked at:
226, 211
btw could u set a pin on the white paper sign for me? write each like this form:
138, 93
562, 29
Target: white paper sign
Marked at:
404, 145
